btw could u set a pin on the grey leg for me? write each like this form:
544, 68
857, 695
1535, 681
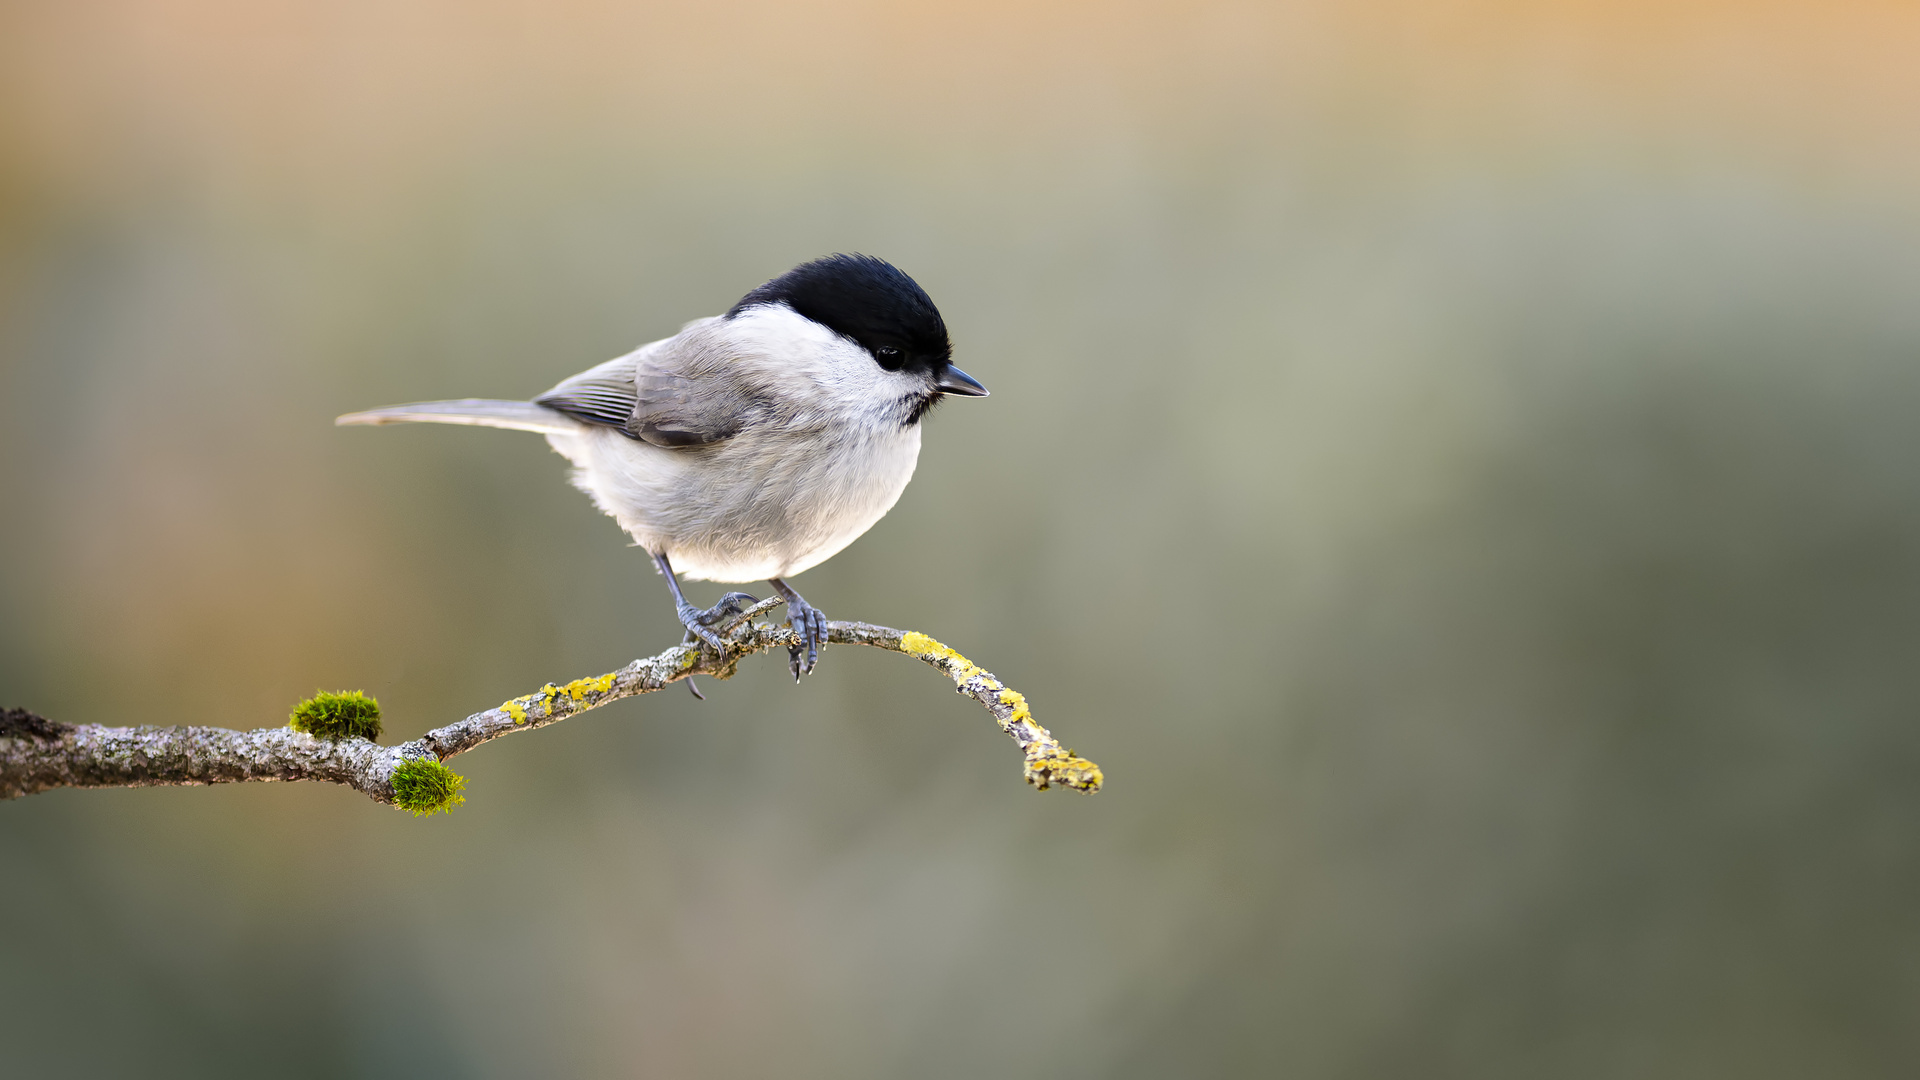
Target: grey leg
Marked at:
809, 628
697, 620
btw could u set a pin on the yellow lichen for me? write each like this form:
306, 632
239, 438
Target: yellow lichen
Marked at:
578, 689
915, 643
919, 644
1048, 764
1020, 711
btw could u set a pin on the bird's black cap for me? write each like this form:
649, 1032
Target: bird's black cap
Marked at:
868, 301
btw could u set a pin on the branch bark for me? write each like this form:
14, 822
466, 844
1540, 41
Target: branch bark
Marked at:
39, 755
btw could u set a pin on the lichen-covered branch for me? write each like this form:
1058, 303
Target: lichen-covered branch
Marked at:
38, 755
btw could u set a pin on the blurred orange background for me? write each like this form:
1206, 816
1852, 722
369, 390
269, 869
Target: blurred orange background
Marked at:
1451, 464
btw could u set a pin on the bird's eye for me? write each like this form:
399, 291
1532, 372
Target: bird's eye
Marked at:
890, 357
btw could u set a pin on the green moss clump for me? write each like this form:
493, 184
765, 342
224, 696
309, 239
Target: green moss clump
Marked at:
349, 714
424, 786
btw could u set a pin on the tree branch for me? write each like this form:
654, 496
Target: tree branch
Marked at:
38, 755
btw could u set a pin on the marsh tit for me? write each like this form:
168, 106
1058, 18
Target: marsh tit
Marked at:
751, 445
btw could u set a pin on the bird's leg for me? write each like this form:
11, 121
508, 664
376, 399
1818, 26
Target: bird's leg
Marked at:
729, 614
809, 629
698, 621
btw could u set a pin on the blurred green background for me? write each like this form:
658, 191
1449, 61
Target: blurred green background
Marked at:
1453, 465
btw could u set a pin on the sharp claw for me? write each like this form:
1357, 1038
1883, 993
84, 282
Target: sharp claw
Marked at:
700, 622
759, 607
809, 630
690, 617
695, 689
728, 605
809, 626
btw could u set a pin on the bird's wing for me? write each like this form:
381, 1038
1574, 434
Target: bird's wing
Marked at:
665, 394
599, 395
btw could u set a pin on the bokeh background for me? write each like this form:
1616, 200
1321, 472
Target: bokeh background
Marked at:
1453, 464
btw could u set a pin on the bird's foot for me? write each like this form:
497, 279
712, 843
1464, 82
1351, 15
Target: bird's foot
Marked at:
700, 621
809, 625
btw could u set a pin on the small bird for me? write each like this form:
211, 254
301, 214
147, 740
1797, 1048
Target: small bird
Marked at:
752, 445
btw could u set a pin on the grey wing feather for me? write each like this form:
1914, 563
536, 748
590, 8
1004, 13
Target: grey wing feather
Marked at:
599, 395
482, 412
660, 395
681, 410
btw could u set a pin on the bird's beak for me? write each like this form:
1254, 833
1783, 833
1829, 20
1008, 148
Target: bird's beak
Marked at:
954, 381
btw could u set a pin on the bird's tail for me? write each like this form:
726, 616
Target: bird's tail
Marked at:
481, 412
